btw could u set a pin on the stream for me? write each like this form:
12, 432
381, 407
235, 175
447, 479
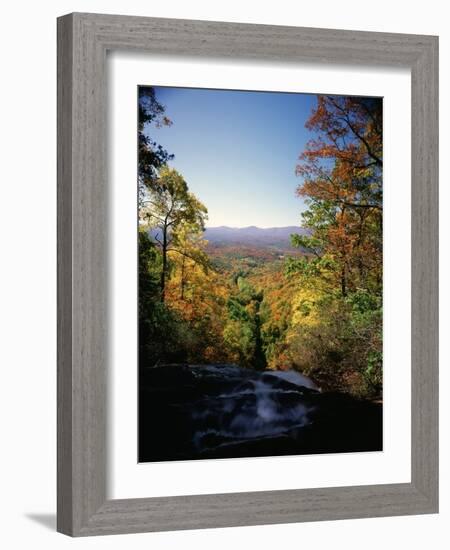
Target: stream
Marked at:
224, 411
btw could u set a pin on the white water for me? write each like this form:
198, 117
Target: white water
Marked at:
253, 408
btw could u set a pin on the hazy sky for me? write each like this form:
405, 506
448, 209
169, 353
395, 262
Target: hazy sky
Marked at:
238, 151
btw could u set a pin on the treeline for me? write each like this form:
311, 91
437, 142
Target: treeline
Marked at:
172, 260
319, 312
336, 328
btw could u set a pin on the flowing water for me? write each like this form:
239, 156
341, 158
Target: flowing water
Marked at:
219, 411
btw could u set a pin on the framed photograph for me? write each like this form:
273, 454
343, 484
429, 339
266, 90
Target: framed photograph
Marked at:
247, 274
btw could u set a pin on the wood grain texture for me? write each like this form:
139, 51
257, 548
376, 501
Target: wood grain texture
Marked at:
64, 250
83, 40
424, 276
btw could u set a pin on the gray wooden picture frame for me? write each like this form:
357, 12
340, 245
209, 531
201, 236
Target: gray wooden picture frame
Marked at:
83, 41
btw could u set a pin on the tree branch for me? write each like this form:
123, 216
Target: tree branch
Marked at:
357, 134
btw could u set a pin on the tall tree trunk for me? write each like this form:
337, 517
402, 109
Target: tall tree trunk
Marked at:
183, 282
360, 264
164, 265
343, 282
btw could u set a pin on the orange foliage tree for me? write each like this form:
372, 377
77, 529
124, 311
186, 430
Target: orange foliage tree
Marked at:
335, 333
341, 171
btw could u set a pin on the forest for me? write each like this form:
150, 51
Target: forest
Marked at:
313, 306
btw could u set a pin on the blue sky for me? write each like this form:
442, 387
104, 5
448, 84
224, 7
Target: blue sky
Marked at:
238, 151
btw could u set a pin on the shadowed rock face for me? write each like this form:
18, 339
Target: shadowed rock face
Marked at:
223, 411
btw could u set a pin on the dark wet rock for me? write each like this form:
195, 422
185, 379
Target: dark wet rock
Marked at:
220, 411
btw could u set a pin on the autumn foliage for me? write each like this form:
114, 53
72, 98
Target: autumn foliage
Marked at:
318, 309
341, 182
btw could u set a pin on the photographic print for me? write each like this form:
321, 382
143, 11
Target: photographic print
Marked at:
260, 265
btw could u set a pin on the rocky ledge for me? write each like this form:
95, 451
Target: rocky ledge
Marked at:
224, 411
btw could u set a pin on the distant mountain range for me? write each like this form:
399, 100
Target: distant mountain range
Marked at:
252, 237
279, 237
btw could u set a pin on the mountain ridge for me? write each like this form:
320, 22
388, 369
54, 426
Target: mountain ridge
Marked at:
253, 235
249, 236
